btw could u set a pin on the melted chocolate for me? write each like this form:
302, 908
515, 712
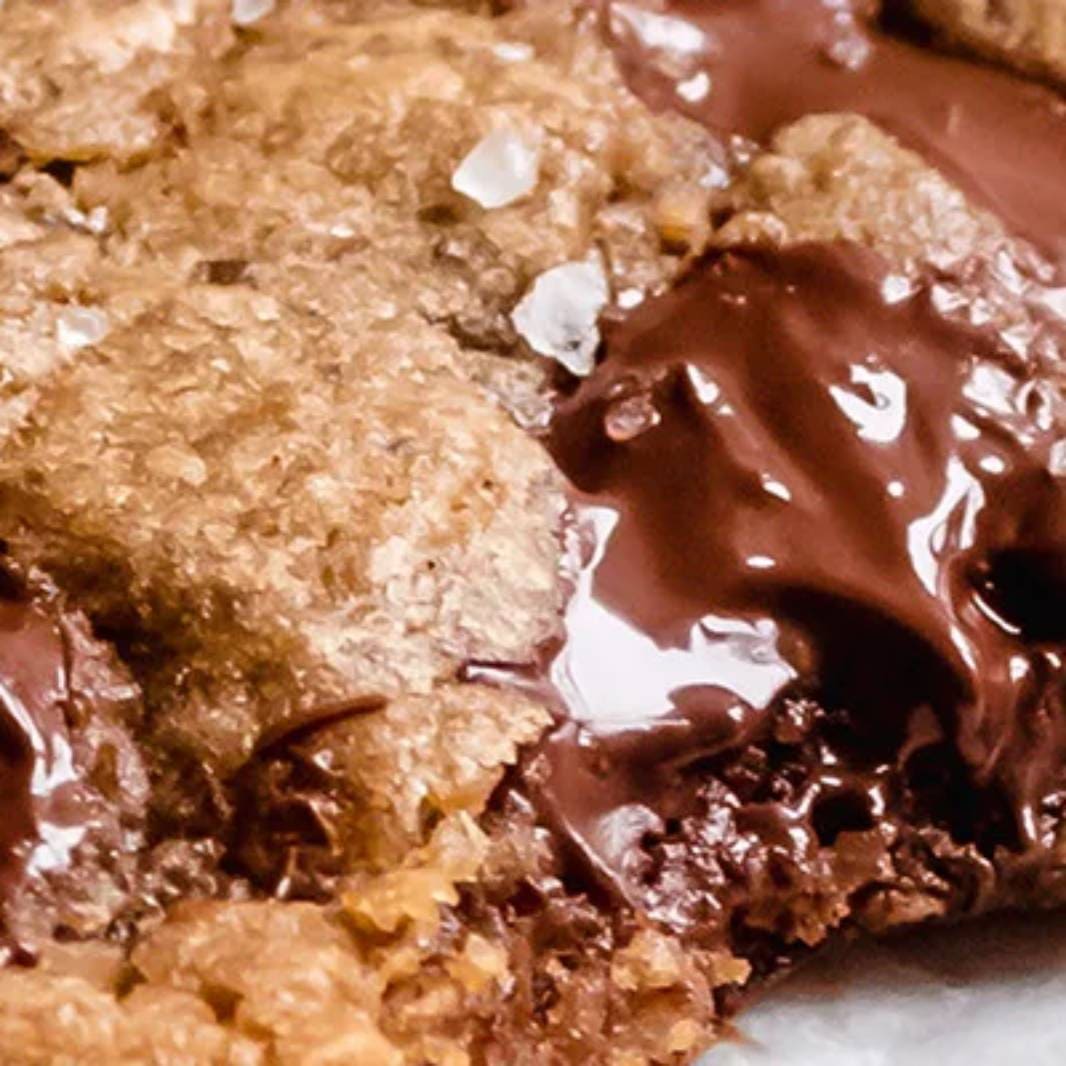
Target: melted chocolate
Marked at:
768, 62
801, 493
816, 640
38, 769
69, 773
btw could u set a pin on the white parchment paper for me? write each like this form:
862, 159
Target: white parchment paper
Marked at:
986, 994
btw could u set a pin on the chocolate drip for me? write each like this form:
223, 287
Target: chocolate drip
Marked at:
768, 62
38, 771
804, 497
71, 780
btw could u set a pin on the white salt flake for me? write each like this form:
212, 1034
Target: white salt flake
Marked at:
850, 51
558, 316
79, 327
946, 300
245, 12
501, 168
1053, 299
1057, 458
714, 177
696, 88
1018, 338
1007, 273
97, 220
662, 32
992, 388
513, 51
895, 288
77, 219
630, 298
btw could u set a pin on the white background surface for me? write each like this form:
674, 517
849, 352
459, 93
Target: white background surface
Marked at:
988, 994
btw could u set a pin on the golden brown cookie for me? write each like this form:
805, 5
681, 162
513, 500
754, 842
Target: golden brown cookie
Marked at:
519, 520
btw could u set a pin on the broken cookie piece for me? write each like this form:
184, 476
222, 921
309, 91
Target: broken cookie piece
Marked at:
275, 519
105, 81
833, 177
1027, 34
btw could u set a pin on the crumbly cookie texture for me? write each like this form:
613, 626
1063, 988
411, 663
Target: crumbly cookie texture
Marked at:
78, 84
259, 422
413, 966
299, 518
840, 177
433, 956
264, 336
1027, 34
258, 418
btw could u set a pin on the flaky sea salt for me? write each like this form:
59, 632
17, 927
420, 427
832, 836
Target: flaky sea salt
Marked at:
696, 88
501, 168
850, 51
95, 221
513, 51
991, 387
1057, 458
664, 33
1052, 299
79, 327
946, 299
245, 12
896, 288
558, 316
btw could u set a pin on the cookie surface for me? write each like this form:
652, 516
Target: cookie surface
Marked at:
1027, 34
528, 522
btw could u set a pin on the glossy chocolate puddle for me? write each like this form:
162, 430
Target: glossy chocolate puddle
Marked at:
815, 646
808, 505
